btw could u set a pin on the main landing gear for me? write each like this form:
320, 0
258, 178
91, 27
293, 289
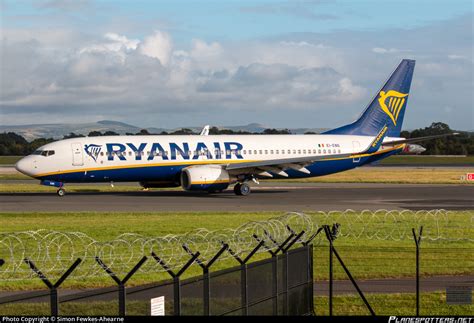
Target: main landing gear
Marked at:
242, 189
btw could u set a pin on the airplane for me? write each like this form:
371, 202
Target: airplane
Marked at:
413, 149
212, 163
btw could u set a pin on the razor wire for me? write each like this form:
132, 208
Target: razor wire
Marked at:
53, 251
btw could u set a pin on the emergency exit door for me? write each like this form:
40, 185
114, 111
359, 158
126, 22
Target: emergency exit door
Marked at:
77, 156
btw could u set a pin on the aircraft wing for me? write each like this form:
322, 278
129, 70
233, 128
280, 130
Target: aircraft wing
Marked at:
412, 140
278, 166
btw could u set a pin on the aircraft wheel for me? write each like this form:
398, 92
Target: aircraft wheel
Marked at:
61, 192
237, 189
242, 189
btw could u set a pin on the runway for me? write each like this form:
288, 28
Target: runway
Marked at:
267, 197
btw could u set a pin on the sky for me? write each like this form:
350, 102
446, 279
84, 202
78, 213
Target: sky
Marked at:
285, 64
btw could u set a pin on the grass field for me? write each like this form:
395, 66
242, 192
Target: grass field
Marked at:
9, 160
372, 246
394, 176
361, 175
427, 160
432, 304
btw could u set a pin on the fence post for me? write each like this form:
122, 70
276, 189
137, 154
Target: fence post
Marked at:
417, 244
176, 280
244, 296
308, 244
205, 273
331, 234
53, 288
121, 283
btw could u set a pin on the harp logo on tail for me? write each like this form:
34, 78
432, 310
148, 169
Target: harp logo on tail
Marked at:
93, 151
392, 103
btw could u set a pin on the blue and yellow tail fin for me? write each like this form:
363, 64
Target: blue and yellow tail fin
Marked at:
386, 108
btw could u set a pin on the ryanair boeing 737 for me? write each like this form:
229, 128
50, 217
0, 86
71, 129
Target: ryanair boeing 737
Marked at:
212, 163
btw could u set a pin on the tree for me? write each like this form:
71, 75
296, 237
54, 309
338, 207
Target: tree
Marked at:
72, 135
95, 134
111, 133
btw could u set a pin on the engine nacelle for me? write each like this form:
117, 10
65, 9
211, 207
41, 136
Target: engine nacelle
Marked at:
205, 178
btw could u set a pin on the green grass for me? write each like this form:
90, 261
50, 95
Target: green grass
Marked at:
361, 175
372, 246
394, 176
9, 160
14, 177
431, 304
37, 188
427, 160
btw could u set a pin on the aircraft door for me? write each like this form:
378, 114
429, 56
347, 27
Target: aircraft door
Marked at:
355, 149
77, 156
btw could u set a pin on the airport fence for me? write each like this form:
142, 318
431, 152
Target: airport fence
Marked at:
334, 263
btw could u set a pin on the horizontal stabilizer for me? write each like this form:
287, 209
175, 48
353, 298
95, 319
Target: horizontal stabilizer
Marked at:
419, 139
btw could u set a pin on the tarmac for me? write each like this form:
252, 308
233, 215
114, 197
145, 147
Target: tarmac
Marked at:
265, 197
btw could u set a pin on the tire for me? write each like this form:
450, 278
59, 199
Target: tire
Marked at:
245, 189
61, 192
237, 189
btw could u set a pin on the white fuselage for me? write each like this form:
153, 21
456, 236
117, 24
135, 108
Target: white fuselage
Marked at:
139, 158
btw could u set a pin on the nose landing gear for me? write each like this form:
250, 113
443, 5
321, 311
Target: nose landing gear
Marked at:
61, 192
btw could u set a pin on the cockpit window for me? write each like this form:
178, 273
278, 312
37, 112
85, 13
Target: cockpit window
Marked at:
45, 153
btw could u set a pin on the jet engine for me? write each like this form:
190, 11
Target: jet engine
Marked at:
209, 178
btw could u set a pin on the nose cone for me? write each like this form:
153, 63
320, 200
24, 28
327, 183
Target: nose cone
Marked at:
25, 166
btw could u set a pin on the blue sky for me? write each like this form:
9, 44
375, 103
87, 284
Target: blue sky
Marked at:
178, 63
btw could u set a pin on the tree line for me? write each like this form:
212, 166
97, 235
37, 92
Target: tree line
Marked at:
12, 144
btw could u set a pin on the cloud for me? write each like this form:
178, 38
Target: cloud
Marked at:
64, 5
283, 81
158, 46
300, 9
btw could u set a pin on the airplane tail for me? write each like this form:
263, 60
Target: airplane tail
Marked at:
387, 108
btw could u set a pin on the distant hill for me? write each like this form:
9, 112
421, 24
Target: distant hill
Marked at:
59, 130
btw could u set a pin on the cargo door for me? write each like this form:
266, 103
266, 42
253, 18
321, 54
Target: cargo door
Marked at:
77, 155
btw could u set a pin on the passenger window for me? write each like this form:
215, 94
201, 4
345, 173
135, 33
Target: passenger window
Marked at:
271, 152
294, 151
289, 152
254, 152
324, 151
277, 152
266, 152
319, 151
304, 151
339, 151
260, 152
299, 151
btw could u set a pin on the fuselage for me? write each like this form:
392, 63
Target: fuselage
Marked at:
162, 158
